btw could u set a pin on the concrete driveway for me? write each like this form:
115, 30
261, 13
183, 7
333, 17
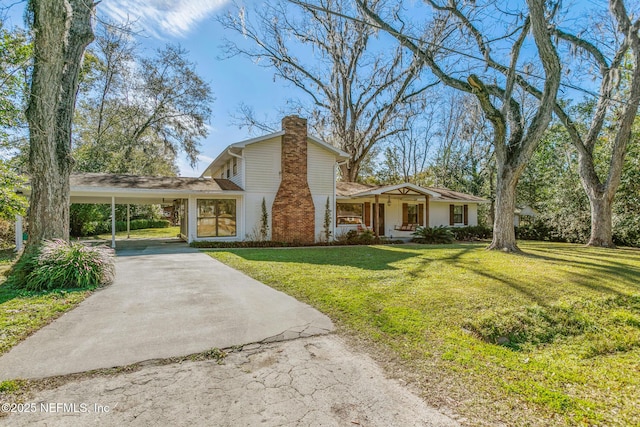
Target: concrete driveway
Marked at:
168, 300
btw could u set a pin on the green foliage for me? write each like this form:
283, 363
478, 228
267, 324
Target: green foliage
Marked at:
431, 235
92, 219
15, 55
471, 233
11, 203
264, 220
573, 313
533, 324
57, 264
92, 228
326, 223
135, 113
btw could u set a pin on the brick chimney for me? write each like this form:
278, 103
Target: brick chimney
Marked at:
293, 212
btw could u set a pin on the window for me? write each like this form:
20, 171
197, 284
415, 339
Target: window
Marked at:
228, 169
349, 213
216, 217
458, 214
235, 166
412, 214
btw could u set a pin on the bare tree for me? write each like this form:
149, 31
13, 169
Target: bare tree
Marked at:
360, 94
616, 107
514, 139
62, 31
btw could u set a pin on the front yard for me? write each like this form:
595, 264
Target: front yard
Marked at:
550, 337
22, 313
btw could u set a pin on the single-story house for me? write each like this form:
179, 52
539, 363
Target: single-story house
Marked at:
295, 174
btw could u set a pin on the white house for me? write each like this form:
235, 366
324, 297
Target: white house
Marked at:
295, 174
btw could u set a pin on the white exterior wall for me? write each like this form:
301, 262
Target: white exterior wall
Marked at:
262, 161
321, 178
438, 214
238, 177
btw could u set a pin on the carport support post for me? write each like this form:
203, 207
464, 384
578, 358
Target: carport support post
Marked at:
376, 219
128, 221
19, 241
426, 211
113, 221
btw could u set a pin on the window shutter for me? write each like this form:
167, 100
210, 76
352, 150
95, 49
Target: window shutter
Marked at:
405, 213
421, 214
466, 214
451, 215
367, 214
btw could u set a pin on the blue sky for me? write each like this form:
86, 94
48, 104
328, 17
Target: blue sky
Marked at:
192, 24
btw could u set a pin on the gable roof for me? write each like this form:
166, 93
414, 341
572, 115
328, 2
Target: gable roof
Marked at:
354, 189
161, 183
237, 146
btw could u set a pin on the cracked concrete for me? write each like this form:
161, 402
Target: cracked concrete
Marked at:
313, 381
167, 301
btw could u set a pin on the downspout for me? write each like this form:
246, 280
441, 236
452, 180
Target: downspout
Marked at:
335, 200
244, 207
113, 222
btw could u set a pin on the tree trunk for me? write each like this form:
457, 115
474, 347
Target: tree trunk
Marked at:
601, 229
504, 234
62, 32
349, 172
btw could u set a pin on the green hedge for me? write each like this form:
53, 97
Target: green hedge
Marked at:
103, 227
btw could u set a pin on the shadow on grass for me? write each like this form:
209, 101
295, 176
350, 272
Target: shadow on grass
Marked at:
364, 257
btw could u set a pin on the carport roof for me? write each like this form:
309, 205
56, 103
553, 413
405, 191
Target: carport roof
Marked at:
159, 183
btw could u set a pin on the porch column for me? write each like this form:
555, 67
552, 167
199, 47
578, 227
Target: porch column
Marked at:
19, 241
128, 221
426, 210
113, 221
375, 216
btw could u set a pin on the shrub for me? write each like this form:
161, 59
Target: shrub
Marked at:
58, 264
529, 325
439, 234
470, 233
104, 227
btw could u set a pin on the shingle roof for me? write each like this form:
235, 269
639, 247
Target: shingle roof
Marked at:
352, 189
102, 180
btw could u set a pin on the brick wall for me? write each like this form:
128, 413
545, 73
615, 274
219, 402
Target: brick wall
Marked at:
293, 212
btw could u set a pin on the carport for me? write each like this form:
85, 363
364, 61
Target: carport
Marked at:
112, 189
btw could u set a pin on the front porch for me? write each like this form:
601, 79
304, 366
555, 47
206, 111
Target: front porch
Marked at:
392, 211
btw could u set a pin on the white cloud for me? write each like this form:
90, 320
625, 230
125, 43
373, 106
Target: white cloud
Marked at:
161, 18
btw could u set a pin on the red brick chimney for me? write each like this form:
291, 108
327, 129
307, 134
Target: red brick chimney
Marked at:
293, 213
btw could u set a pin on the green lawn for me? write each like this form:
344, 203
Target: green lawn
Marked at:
147, 233
550, 337
22, 313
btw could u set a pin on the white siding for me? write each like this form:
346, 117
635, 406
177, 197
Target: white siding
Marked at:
320, 204
237, 178
320, 170
253, 213
262, 162
440, 213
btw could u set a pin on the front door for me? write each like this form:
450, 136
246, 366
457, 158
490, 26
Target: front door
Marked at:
380, 219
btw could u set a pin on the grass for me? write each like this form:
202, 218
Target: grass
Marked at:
22, 313
145, 233
551, 337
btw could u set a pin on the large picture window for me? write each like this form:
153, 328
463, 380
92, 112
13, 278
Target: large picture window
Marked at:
349, 213
216, 217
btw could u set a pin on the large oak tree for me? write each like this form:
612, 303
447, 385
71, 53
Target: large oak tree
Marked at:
445, 51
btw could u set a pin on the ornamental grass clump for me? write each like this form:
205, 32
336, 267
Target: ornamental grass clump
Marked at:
62, 265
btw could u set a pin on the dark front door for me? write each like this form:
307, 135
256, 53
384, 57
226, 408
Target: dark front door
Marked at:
381, 219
